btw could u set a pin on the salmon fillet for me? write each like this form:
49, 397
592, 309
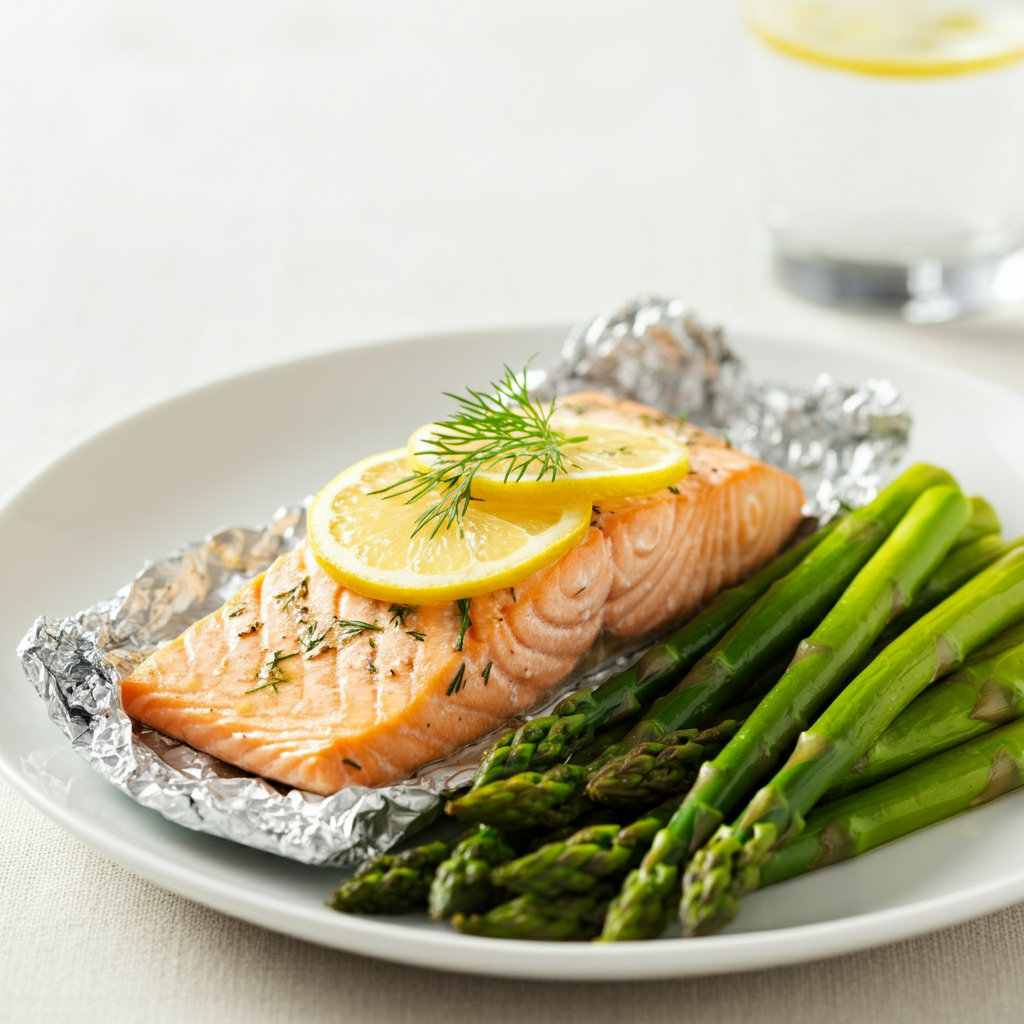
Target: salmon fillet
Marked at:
302, 681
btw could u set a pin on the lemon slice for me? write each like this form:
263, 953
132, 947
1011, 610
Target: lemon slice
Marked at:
893, 37
365, 541
613, 462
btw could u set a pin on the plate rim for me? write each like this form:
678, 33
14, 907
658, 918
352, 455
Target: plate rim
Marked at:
537, 960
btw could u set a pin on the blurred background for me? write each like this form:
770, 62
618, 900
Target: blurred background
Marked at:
190, 189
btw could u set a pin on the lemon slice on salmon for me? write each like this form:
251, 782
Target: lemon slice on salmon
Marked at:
614, 461
366, 541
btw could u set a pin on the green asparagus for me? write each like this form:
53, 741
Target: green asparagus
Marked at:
652, 771
824, 663
535, 917
986, 692
579, 863
958, 779
528, 799
547, 741
984, 521
462, 883
729, 866
960, 565
391, 883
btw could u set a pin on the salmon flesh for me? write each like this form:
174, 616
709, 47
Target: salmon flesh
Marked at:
302, 681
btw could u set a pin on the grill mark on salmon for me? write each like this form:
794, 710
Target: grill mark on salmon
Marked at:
370, 708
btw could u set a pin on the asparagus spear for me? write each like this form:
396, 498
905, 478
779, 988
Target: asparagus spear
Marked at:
958, 779
787, 611
983, 522
652, 771
535, 917
579, 863
729, 866
550, 740
391, 883
462, 883
824, 663
528, 799
961, 564
987, 692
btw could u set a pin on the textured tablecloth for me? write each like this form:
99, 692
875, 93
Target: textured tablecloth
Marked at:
190, 189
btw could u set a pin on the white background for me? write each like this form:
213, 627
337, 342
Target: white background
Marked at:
190, 189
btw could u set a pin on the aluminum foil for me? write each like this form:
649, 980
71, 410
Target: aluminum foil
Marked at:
839, 441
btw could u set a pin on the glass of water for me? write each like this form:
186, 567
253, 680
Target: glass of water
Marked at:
891, 145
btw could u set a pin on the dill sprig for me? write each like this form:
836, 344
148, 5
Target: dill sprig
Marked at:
297, 593
310, 640
456, 684
466, 622
350, 628
271, 672
506, 428
398, 613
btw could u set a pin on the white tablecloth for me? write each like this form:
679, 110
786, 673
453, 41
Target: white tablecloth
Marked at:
190, 189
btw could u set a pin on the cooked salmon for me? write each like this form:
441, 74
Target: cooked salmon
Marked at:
302, 681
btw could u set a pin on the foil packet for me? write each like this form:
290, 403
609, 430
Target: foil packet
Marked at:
840, 441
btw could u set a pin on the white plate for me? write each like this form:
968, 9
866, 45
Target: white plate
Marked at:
233, 451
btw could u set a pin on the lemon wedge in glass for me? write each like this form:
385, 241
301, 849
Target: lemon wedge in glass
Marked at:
893, 37
614, 461
366, 540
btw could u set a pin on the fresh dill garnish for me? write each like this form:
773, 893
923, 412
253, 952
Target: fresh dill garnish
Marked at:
371, 668
238, 611
416, 635
372, 642
300, 590
506, 429
486, 674
271, 672
398, 614
463, 604
355, 764
684, 417
456, 684
310, 640
673, 488
349, 628
251, 628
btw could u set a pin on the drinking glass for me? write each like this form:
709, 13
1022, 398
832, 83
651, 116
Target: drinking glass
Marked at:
891, 147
